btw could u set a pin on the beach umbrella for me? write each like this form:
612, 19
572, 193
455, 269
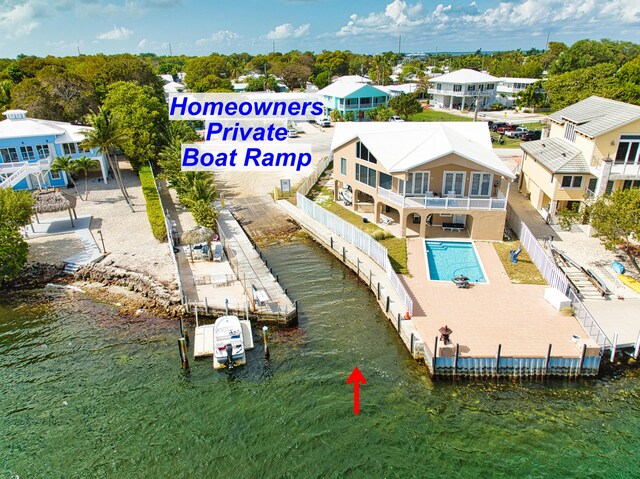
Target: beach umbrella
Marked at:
199, 234
53, 201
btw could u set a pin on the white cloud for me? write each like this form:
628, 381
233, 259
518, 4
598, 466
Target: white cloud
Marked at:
286, 30
221, 36
115, 33
505, 16
19, 20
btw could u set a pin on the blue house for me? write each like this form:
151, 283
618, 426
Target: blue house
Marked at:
352, 97
28, 147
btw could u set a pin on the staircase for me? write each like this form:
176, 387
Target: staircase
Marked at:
90, 254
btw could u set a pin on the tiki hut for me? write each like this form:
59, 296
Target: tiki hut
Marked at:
52, 201
199, 234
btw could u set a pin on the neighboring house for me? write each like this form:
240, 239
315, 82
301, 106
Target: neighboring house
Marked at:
593, 149
28, 146
173, 87
459, 89
352, 79
352, 97
508, 89
425, 176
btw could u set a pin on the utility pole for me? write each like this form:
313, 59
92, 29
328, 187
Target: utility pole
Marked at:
399, 42
546, 46
274, 46
170, 52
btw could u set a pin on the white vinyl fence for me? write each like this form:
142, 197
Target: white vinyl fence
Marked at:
359, 239
307, 184
556, 278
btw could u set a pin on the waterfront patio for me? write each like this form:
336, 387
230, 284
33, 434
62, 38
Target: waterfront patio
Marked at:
486, 315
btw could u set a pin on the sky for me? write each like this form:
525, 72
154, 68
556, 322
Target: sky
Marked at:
189, 27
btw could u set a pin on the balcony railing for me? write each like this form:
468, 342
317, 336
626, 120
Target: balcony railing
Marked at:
446, 203
433, 91
625, 171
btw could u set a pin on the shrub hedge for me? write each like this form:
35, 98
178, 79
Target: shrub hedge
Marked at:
154, 208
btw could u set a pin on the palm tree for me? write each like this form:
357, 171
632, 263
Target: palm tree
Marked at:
200, 190
186, 181
84, 163
64, 163
106, 135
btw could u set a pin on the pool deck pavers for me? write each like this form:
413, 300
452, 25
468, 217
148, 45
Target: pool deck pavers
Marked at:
485, 315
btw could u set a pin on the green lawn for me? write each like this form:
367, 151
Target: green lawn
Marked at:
433, 115
396, 247
508, 142
524, 271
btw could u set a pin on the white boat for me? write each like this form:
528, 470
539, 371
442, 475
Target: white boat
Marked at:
231, 339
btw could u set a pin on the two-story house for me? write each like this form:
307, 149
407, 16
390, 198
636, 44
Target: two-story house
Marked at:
28, 147
428, 177
508, 89
352, 98
460, 89
593, 149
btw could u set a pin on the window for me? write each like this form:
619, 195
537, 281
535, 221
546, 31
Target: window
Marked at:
480, 184
9, 155
55, 175
363, 153
438, 86
453, 183
471, 88
570, 132
343, 166
417, 183
69, 148
628, 148
593, 184
366, 175
457, 87
43, 151
385, 181
27, 153
81, 149
609, 189
628, 184
490, 86
572, 181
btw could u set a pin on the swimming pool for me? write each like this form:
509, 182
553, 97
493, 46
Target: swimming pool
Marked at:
448, 259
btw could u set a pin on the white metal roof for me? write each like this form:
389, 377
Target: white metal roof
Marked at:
341, 89
30, 127
405, 145
518, 80
465, 75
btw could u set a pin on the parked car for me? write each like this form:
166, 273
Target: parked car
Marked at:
324, 122
505, 128
517, 133
395, 118
292, 133
532, 135
495, 126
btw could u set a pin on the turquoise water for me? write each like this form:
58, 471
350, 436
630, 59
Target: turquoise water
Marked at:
448, 259
87, 393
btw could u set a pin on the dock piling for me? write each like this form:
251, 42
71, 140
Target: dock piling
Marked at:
497, 365
582, 355
455, 361
614, 347
433, 359
344, 255
181, 327
547, 359
399, 319
182, 348
196, 310
186, 336
388, 304
358, 266
226, 307
636, 351
265, 331
206, 306
331, 241
378, 290
411, 348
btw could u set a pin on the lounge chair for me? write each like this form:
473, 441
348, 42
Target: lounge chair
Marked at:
452, 226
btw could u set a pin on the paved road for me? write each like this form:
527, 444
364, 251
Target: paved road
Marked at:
248, 194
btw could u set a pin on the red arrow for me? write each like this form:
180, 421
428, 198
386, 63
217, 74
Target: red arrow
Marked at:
356, 378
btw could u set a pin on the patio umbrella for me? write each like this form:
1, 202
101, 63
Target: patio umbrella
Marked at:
52, 201
199, 234
445, 332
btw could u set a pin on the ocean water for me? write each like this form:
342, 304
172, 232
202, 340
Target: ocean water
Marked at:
87, 393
